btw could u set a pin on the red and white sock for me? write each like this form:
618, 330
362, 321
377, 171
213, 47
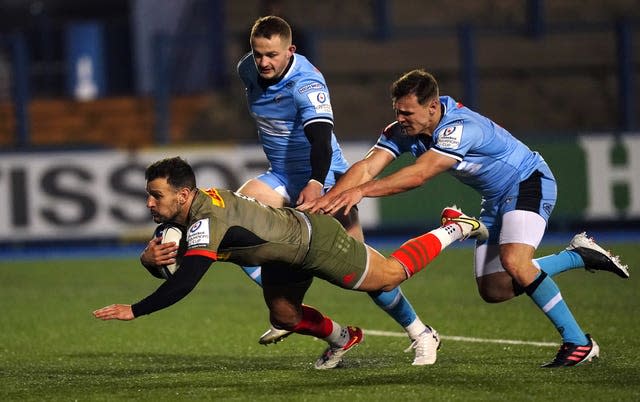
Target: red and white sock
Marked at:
417, 253
314, 323
339, 336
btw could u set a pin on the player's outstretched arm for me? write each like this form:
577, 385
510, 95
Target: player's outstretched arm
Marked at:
427, 166
174, 289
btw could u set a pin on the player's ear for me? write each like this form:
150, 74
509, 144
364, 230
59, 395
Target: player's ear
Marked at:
183, 195
433, 105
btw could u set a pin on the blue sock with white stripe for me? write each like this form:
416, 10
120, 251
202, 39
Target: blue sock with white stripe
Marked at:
560, 262
396, 305
254, 273
546, 295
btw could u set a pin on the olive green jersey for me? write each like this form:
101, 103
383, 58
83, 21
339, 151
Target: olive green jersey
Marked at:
228, 226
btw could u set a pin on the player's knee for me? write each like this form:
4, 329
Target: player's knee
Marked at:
509, 262
495, 292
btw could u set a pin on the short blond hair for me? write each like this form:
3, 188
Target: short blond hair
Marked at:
271, 25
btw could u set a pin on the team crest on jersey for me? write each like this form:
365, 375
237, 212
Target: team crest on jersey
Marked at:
198, 234
215, 197
450, 137
310, 87
320, 100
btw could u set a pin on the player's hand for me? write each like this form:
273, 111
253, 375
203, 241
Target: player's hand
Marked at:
157, 254
346, 200
115, 312
318, 205
311, 192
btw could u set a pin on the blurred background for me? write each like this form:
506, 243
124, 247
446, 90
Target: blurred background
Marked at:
91, 92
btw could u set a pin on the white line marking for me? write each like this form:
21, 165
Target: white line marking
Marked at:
465, 338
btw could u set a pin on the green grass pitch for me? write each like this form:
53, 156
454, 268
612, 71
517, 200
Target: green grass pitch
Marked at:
205, 347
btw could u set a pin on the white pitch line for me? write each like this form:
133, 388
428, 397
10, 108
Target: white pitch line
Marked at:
465, 338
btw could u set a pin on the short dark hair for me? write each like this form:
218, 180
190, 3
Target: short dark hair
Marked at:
177, 171
266, 27
418, 82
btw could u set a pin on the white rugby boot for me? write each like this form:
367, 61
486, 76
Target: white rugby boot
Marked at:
333, 355
595, 257
273, 335
426, 346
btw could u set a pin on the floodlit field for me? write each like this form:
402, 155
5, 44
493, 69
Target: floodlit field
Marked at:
205, 347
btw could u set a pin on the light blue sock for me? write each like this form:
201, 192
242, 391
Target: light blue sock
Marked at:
546, 295
560, 262
396, 305
255, 273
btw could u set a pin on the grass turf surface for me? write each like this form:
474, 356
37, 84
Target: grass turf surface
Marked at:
205, 347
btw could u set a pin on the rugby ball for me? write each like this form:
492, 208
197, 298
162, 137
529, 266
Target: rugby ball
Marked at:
169, 233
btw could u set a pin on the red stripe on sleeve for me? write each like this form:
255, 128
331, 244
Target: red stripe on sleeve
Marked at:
201, 252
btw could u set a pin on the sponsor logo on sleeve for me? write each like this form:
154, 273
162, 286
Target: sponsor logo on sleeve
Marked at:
198, 234
320, 100
450, 137
310, 87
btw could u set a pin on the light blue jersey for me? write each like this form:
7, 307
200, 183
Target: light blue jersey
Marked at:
515, 184
281, 112
490, 159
